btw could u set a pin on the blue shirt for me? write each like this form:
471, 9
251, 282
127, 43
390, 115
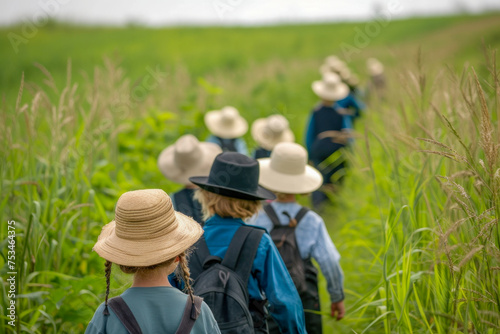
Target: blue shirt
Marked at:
156, 309
351, 102
313, 241
269, 277
239, 143
329, 119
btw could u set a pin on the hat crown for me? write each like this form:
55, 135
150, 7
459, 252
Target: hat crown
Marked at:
187, 151
331, 80
275, 125
229, 115
289, 158
374, 66
236, 171
144, 215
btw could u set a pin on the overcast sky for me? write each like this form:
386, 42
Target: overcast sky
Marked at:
171, 12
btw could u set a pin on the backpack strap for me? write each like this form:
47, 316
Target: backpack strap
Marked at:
302, 212
185, 203
271, 213
182, 202
191, 312
125, 315
247, 238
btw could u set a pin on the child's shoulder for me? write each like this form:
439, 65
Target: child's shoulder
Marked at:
313, 218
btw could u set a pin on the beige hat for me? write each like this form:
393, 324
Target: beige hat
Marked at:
353, 80
374, 67
287, 171
333, 65
226, 123
187, 157
146, 230
268, 132
331, 88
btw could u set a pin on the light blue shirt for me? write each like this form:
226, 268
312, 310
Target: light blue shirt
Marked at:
240, 145
156, 309
313, 241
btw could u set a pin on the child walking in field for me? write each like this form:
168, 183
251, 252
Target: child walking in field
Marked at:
269, 131
300, 233
227, 127
149, 240
327, 134
178, 162
235, 259
351, 106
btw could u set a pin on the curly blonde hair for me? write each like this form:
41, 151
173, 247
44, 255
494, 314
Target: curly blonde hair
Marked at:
226, 206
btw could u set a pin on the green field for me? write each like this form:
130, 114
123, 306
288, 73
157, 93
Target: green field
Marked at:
417, 231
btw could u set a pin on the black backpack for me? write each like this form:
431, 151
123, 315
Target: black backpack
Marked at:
185, 203
228, 145
223, 282
286, 242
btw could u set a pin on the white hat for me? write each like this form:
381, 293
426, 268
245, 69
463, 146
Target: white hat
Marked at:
146, 230
374, 67
287, 171
187, 157
331, 88
226, 123
268, 132
332, 64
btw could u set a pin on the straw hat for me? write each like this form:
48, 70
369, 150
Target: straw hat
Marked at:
374, 67
334, 65
234, 175
146, 230
287, 171
331, 88
226, 123
268, 132
187, 157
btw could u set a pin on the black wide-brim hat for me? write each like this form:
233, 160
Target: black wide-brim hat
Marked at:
234, 175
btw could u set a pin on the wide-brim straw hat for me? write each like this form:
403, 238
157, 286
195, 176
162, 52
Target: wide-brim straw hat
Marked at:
186, 158
234, 175
268, 132
287, 171
146, 230
330, 88
226, 123
374, 66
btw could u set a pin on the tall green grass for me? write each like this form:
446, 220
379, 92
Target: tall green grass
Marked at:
428, 236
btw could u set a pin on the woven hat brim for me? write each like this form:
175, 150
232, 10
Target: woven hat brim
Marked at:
337, 94
268, 143
171, 171
215, 126
142, 253
260, 194
307, 182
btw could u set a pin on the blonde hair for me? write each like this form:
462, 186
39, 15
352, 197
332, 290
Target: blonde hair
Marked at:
226, 206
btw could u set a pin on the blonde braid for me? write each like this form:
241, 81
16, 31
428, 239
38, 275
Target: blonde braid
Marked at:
107, 272
186, 274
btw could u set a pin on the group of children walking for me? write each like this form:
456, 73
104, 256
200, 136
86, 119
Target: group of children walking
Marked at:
250, 244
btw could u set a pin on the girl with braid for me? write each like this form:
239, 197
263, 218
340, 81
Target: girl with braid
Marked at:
150, 240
